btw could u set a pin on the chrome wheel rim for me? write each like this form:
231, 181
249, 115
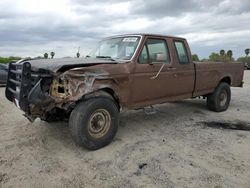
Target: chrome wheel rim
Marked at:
99, 123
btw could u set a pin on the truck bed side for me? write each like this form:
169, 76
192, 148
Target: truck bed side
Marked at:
210, 74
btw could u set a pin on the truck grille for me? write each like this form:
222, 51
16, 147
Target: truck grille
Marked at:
19, 83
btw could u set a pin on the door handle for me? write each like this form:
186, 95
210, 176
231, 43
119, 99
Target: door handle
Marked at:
171, 68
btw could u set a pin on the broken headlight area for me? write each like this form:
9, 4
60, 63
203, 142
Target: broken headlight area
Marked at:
59, 88
70, 86
46, 100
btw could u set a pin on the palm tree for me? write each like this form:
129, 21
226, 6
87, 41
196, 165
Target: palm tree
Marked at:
78, 54
222, 52
52, 55
46, 55
247, 51
230, 54
222, 55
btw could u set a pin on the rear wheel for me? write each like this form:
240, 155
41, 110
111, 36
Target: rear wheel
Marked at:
220, 99
94, 122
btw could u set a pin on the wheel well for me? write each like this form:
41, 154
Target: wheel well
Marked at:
113, 94
227, 80
104, 92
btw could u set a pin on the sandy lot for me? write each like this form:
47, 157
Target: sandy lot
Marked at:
182, 145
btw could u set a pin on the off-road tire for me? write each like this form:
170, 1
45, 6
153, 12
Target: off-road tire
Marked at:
82, 126
216, 102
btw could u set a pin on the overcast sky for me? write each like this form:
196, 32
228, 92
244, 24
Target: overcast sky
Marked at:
32, 27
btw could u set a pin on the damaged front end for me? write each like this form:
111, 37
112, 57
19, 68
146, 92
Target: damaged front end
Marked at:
28, 89
49, 96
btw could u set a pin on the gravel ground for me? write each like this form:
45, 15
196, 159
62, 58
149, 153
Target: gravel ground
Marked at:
182, 145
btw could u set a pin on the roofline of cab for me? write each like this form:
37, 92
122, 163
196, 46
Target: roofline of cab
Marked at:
141, 35
144, 35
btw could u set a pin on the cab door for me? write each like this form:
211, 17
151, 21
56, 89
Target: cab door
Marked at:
153, 74
168, 79
185, 71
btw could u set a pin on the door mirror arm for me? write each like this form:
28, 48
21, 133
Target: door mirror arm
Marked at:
154, 77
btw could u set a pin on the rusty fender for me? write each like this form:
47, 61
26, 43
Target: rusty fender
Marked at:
74, 84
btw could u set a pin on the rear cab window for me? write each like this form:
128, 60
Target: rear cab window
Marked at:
154, 51
181, 52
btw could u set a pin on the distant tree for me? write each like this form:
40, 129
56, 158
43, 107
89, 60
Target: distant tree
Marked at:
52, 55
78, 54
195, 57
214, 57
204, 59
46, 55
247, 51
222, 52
244, 59
230, 54
38, 57
222, 55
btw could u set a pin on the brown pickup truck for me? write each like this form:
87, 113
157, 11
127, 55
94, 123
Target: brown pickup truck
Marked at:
122, 72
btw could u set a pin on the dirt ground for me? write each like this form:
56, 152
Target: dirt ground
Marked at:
182, 145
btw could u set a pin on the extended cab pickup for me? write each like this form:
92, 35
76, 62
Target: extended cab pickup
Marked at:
122, 72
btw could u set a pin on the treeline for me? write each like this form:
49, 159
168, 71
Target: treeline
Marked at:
9, 59
45, 56
223, 56
5, 60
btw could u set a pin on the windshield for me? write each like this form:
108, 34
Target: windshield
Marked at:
122, 48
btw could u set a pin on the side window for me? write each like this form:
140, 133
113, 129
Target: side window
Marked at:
181, 51
157, 52
143, 56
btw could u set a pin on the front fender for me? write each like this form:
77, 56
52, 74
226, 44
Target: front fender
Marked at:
73, 85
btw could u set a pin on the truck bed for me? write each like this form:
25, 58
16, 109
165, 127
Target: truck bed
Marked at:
209, 74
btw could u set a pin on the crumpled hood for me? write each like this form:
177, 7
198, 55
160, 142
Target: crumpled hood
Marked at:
63, 64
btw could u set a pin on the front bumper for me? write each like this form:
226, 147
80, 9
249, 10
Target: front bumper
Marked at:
19, 84
24, 87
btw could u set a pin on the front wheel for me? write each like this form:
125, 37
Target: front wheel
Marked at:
220, 99
94, 122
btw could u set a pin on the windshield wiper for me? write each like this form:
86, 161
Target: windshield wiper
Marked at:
105, 57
